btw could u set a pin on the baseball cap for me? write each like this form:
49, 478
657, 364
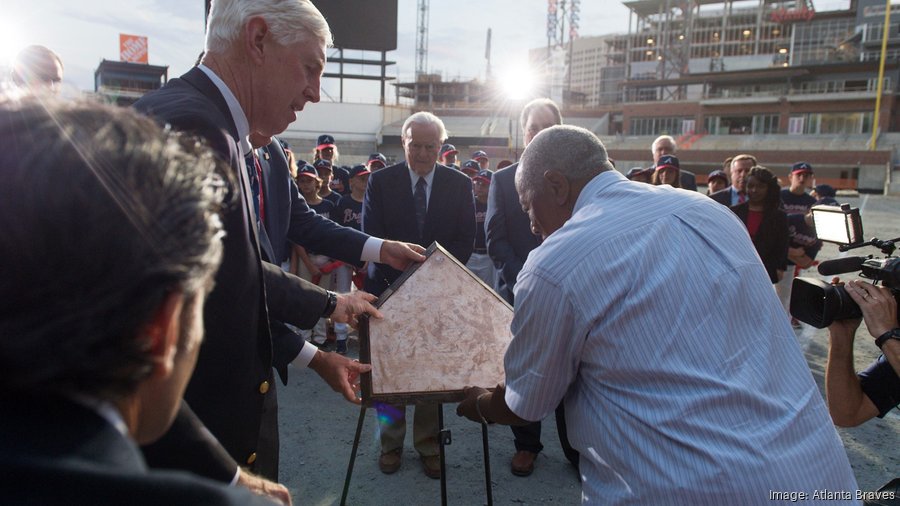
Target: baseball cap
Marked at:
377, 157
471, 165
484, 176
359, 170
668, 161
323, 165
718, 174
448, 149
325, 141
340, 172
801, 167
307, 170
825, 190
634, 171
479, 155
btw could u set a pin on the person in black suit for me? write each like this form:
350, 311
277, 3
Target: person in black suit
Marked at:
736, 193
509, 240
665, 145
418, 201
766, 221
100, 337
253, 78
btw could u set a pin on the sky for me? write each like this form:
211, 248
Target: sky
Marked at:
84, 32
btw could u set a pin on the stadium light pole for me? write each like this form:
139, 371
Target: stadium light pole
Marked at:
884, 39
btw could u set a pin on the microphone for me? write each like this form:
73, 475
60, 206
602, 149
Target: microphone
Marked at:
841, 265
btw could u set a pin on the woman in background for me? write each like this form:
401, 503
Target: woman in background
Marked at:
765, 220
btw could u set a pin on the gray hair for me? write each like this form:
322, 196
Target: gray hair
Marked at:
664, 138
103, 215
540, 103
424, 118
290, 21
573, 151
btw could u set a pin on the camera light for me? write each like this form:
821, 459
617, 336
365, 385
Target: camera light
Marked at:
841, 225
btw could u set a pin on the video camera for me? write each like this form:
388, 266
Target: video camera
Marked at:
819, 303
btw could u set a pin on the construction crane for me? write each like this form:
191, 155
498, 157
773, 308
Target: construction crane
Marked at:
422, 39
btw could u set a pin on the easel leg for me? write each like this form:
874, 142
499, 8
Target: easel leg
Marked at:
443, 438
359, 426
487, 465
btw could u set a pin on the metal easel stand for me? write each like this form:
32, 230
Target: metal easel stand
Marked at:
444, 438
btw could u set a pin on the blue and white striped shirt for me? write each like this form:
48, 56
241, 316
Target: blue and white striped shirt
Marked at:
650, 311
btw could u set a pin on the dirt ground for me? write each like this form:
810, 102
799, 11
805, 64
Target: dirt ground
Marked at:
318, 427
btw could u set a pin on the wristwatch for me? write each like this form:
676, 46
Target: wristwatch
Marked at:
890, 334
330, 304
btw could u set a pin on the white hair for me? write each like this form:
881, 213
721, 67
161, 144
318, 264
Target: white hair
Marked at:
289, 21
424, 118
664, 138
573, 151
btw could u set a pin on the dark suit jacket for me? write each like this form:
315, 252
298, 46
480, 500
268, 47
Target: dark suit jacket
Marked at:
289, 219
688, 180
226, 390
59, 452
722, 196
508, 230
771, 239
389, 212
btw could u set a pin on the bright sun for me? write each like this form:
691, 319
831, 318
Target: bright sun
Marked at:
11, 41
517, 81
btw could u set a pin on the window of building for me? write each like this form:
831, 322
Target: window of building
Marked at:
742, 125
659, 126
848, 123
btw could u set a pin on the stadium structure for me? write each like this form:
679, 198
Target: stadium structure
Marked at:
774, 78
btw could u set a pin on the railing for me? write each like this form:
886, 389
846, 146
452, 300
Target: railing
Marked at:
792, 92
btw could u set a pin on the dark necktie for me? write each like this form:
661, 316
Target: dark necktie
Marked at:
421, 204
254, 176
250, 162
260, 196
742, 197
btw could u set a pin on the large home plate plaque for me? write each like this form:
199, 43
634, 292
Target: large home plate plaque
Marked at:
443, 329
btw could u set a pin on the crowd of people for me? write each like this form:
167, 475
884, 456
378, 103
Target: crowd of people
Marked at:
214, 231
779, 220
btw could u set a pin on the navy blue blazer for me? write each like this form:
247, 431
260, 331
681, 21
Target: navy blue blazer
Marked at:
688, 180
289, 218
226, 390
723, 196
58, 452
508, 230
389, 212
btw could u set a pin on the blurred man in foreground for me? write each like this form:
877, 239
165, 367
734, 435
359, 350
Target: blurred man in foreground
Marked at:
102, 322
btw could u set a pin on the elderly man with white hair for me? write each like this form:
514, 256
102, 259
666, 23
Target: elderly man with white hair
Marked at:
665, 404
418, 201
666, 145
263, 63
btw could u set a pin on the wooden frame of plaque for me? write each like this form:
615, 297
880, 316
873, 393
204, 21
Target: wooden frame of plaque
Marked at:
443, 329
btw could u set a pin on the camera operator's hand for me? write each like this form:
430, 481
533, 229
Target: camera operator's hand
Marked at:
842, 332
879, 308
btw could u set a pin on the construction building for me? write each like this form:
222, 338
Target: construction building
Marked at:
773, 78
